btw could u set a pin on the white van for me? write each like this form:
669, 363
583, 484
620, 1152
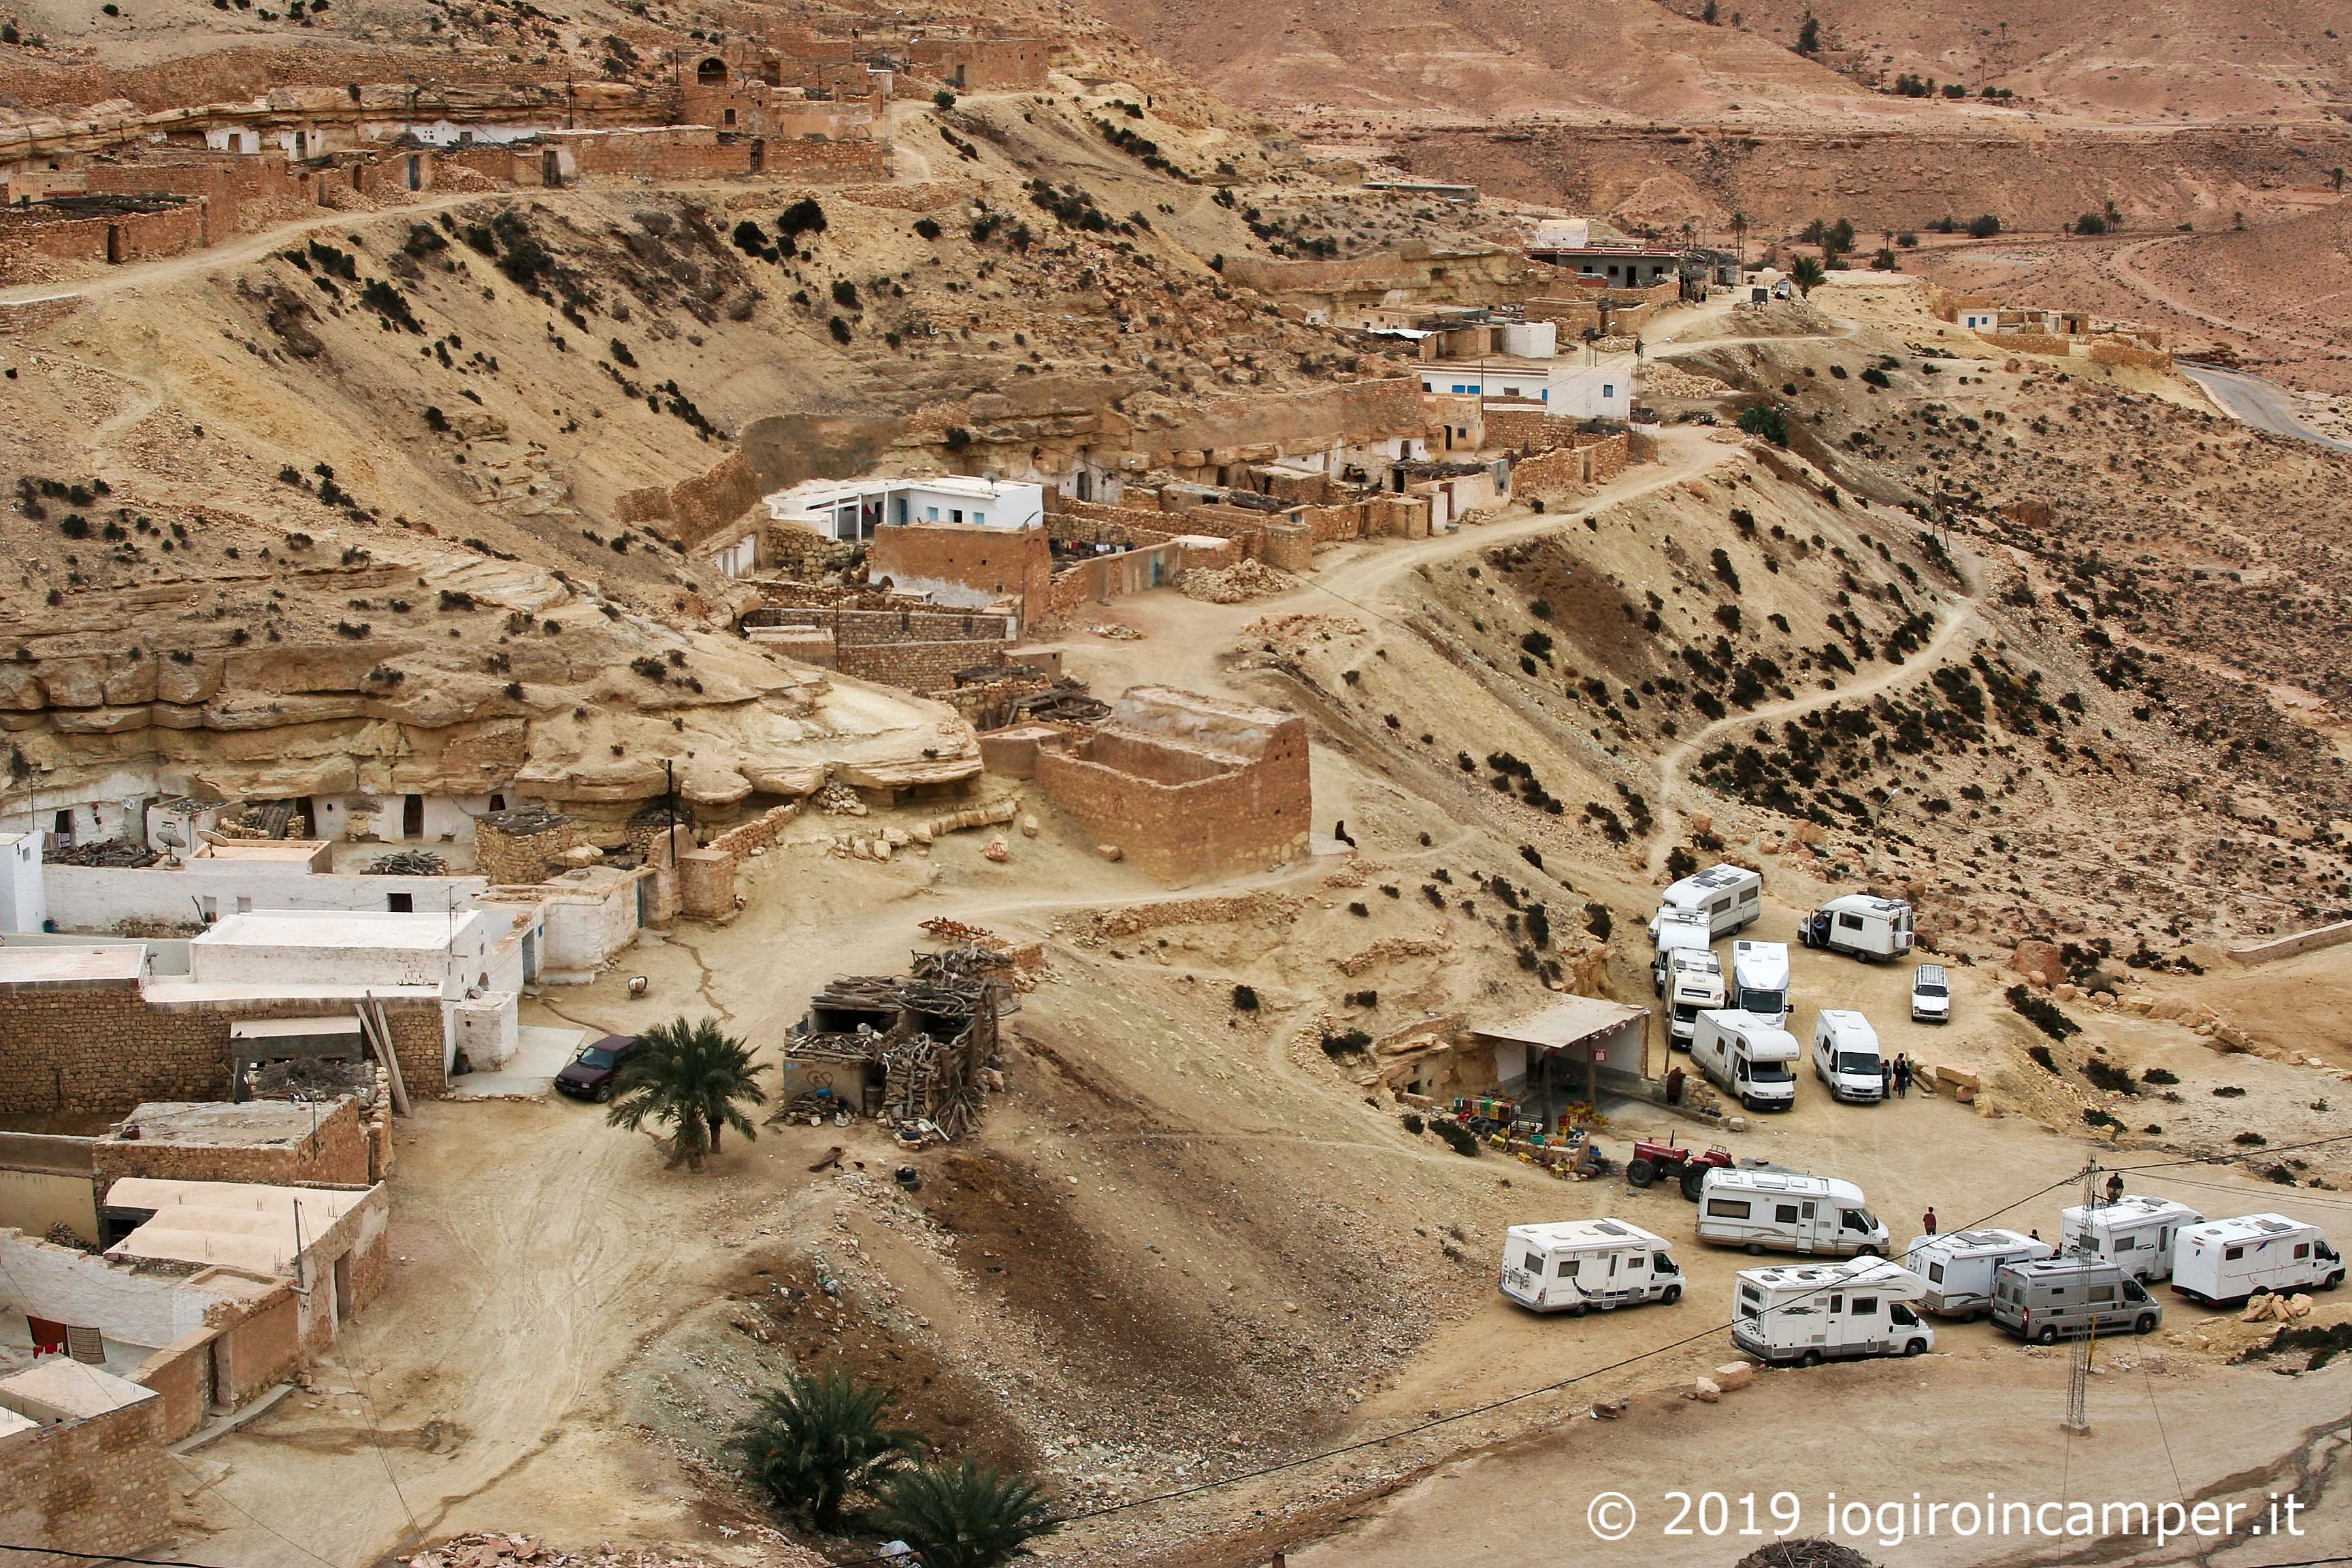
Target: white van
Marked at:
1783, 1211
2134, 1232
1960, 1266
1730, 897
1931, 995
1808, 1313
2225, 1261
1577, 1264
1674, 931
1857, 923
1693, 984
1750, 1059
1759, 980
1845, 1057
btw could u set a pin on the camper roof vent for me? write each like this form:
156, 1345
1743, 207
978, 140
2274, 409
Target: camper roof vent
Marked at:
1607, 1228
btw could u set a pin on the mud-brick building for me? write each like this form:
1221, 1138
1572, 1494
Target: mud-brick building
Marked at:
1190, 788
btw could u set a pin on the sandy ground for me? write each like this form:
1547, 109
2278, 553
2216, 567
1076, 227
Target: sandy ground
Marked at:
559, 1302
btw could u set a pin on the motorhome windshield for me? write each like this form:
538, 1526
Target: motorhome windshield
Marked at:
1769, 1072
1763, 1004
1863, 1062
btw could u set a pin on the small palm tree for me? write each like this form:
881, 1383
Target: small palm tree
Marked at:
1807, 274
692, 1076
816, 1439
965, 1515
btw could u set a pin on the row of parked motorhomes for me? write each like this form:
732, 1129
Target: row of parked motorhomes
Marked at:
1735, 1027
1860, 1303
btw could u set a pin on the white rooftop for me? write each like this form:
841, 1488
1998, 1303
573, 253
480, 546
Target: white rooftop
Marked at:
63, 1389
71, 965
375, 929
1586, 1233
232, 1224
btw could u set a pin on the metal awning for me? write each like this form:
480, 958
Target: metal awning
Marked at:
1571, 1022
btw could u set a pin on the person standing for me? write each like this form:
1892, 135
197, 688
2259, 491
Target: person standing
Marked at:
1885, 1080
1903, 1077
1927, 1220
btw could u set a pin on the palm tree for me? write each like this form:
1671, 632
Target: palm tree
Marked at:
690, 1076
816, 1439
965, 1515
1807, 274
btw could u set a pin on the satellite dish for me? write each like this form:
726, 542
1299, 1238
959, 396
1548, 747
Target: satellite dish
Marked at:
169, 838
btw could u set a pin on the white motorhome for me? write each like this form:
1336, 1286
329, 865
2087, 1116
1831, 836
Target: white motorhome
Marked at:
2134, 1233
1694, 984
1672, 931
1931, 995
1783, 1211
1729, 896
1857, 923
1846, 1058
1750, 1059
1759, 980
1959, 1266
1808, 1313
2226, 1260
1576, 1265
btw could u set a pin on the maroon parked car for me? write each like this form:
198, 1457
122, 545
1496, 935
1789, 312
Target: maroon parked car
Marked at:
592, 1073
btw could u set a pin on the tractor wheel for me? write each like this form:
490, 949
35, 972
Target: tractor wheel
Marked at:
1694, 1182
1670, 1295
1640, 1172
2145, 1323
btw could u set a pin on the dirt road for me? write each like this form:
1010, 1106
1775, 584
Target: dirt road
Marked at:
2262, 404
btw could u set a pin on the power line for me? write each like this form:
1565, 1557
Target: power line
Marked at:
103, 1556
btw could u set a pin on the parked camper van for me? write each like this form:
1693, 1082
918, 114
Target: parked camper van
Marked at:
1674, 931
1811, 1312
1845, 1057
1782, 1211
1759, 980
1693, 984
2226, 1260
1730, 897
2134, 1232
2058, 1298
1931, 995
1750, 1059
1576, 1265
1857, 923
1959, 1266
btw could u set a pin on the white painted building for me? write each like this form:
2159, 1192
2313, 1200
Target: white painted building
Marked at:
461, 957
1568, 388
855, 508
23, 899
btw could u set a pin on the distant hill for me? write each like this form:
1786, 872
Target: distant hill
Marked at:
1488, 58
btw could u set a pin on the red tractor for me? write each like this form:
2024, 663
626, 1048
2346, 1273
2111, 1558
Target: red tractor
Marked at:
1654, 1160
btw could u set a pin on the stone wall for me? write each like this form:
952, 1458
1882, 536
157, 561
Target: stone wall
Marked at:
915, 650
181, 1374
336, 1153
759, 833
1188, 789
32, 315
103, 1048
512, 859
1563, 470
100, 1485
100, 1049
964, 565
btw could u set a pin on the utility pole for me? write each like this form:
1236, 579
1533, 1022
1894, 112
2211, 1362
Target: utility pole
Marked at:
2078, 1366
